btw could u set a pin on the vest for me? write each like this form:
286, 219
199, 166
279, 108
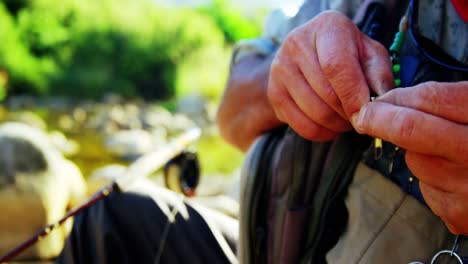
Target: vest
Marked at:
308, 202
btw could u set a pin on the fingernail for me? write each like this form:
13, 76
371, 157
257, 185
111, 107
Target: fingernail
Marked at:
357, 119
354, 120
379, 98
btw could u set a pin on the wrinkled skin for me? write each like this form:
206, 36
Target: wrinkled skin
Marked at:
323, 73
319, 83
430, 121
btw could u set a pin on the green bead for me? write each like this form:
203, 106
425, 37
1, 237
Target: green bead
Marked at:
400, 38
397, 82
396, 68
395, 47
399, 35
397, 42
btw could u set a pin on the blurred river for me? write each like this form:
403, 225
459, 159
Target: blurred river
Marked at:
114, 131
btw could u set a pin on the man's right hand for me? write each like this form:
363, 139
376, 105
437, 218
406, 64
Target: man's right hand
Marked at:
324, 73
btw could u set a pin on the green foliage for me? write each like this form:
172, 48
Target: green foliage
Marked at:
204, 72
2, 90
87, 48
233, 25
23, 68
14, 6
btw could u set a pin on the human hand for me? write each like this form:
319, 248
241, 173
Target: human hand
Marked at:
323, 73
430, 121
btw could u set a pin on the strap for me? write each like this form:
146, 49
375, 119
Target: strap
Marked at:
329, 216
254, 198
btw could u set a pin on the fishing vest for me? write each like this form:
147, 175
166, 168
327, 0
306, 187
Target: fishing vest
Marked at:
334, 202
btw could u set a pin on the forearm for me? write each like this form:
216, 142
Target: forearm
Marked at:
245, 111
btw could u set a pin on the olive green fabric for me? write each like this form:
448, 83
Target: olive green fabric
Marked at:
387, 225
283, 221
292, 207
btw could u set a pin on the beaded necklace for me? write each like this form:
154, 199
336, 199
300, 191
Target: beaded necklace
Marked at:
395, 49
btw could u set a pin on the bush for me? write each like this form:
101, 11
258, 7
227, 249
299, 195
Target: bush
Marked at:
23, 69
87, 48
231, 22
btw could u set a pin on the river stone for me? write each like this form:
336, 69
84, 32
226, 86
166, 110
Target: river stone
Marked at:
156, 117
37, 186
20, 102
27, 117
66, 146
194, 106
159, 136
180, 123
129, 144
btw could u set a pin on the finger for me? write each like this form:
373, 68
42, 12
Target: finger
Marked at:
438, 172
447, 100
376, 65
288, 112
414, 130
305, 56
316, 109
338, 53
308, 101
448, 206
437, 200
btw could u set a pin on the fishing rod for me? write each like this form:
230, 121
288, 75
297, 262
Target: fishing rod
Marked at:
139, 169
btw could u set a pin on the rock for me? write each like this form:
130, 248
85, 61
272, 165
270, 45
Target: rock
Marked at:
195, 107
79, 114
159, 136
109, 128
56, 103
97, 115
20, 102
112, 98
156, 117
129, 144
37, 185
117, 114
181, 123
110, 119
131, 109
132, 117
66, 146
27, 117
66, 123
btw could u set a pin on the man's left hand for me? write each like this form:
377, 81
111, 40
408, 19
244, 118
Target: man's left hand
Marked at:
429, 121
